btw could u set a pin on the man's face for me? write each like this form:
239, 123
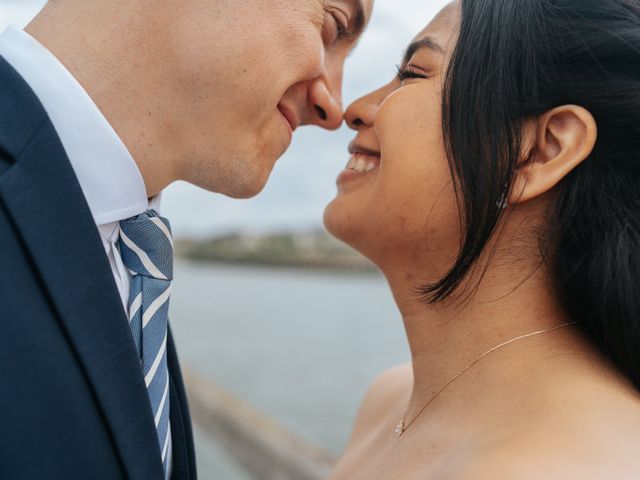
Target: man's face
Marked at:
245, 75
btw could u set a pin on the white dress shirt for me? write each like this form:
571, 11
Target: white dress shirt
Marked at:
109, 177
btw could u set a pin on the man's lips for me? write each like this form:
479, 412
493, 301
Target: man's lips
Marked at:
289, 115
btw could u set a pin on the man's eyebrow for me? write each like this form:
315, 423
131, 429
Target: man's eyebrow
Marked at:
426, 42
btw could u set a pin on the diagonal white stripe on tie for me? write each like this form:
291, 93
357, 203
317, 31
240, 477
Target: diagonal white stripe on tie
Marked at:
135, 306
164, 229
152, 371
144, 258
166, 445
148, 314
164, 397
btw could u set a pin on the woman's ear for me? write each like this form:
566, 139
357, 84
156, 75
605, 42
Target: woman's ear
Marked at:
558, 142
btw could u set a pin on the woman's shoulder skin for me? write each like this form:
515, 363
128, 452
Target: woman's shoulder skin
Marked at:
377, 411
586, 430
383, 396
597, 439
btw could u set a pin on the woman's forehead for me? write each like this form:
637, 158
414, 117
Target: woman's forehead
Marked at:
443, 26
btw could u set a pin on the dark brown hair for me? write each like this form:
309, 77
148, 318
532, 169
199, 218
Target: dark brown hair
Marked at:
514, 60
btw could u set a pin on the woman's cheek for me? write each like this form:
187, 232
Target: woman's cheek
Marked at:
415, 178
412, 113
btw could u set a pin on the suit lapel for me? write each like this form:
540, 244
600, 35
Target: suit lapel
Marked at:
182, 437
45, 201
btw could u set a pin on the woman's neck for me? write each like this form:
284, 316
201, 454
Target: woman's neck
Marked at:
446, 338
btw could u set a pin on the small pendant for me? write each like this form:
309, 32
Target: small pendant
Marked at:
400, 428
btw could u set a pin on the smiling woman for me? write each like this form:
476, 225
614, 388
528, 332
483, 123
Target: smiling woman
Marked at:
502, 206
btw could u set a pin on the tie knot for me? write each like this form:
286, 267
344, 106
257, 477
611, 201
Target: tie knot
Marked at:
146, 245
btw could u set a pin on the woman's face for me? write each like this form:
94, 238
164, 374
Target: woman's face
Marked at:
396, 200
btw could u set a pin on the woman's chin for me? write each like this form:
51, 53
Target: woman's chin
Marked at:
332, 221
344, 225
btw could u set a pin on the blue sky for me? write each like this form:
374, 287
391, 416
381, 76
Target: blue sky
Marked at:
303, 181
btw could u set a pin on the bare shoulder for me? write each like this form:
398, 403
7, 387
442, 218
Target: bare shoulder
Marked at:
586, 445
389, 388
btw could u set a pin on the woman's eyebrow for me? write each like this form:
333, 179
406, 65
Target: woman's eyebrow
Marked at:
426, 42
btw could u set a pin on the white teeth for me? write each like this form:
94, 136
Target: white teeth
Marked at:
360, 164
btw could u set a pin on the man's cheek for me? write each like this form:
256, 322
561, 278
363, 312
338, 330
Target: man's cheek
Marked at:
308, 55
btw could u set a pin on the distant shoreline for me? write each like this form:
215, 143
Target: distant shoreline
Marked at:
306, 251
311, 264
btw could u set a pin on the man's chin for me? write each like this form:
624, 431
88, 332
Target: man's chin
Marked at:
246, 192
238, 174
244, 185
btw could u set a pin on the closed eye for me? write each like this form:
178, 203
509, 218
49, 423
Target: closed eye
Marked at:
339, 30
343, 29
406, 71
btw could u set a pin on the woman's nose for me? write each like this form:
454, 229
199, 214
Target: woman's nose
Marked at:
361, 113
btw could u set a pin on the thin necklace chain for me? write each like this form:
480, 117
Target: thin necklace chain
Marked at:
402, 426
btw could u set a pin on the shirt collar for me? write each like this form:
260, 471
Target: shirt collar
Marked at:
109, 177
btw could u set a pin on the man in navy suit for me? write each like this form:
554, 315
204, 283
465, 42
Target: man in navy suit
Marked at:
103, 103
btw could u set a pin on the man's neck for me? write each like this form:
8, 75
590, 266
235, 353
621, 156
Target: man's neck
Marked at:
102, 60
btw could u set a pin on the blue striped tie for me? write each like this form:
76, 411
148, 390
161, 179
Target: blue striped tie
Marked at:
146, 247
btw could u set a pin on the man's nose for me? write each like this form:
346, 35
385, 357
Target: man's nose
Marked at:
324, 106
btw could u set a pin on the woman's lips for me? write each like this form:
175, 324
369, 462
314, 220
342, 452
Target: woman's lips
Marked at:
360, 165
363, 162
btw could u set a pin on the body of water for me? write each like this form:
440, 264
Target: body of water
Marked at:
300, 346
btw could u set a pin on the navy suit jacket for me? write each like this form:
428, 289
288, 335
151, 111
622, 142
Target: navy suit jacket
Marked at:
73, 403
